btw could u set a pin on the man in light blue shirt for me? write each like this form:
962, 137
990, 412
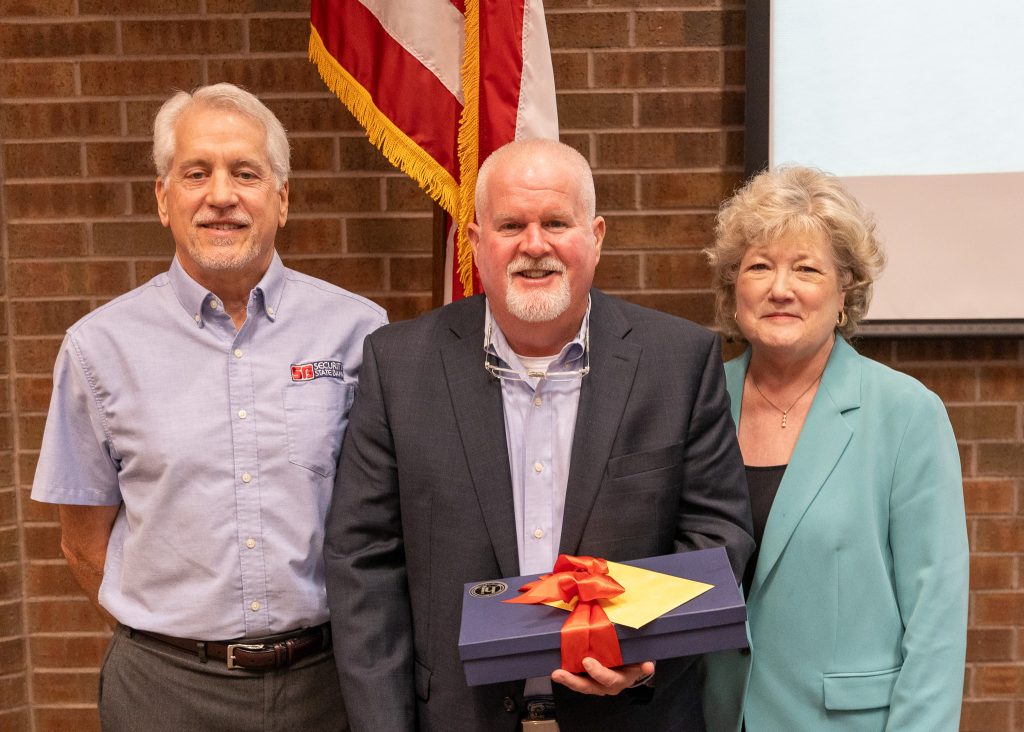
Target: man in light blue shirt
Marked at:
192, 443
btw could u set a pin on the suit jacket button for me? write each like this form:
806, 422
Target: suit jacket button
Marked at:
510, 704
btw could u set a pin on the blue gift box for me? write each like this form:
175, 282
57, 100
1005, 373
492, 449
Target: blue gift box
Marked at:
501, 641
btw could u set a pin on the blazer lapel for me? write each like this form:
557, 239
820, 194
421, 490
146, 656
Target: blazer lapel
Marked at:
476, 400
603, 396
823, 439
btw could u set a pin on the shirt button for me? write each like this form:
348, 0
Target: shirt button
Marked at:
537, 402
538, 533
213, 305
238, 353
251, 543
537, 467
196, 317
242, 414
246, 477
510, 704
270, 311
254, 605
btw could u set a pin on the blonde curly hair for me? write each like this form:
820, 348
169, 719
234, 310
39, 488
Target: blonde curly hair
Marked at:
795, 198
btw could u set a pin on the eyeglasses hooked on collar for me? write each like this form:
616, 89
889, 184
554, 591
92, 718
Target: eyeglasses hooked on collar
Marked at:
507, 374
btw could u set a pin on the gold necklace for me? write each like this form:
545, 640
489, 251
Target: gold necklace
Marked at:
785, 412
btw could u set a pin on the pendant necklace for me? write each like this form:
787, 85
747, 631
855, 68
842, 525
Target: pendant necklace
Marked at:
785, 412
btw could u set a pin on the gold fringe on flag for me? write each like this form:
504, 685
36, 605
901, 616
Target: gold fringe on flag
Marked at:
400, 149
469, 143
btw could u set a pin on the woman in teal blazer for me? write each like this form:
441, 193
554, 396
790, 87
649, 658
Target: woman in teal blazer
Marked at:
857, 597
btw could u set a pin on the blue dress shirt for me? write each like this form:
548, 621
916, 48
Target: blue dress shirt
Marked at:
219, 445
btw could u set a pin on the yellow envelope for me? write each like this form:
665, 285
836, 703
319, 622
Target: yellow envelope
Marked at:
648, 595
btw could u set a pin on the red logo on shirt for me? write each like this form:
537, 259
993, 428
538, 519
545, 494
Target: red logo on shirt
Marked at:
302, 372
317, 369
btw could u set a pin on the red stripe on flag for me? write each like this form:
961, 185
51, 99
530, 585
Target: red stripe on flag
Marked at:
401, 87
501, 71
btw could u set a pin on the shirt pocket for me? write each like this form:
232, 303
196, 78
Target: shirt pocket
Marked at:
864, 690
316, 414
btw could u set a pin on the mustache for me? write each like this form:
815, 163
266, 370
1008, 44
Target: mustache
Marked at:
522, 263
201, 219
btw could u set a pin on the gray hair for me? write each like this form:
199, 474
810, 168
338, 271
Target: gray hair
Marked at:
534, 147
220, 96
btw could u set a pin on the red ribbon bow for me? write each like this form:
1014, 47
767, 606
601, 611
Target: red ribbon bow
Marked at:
587, 631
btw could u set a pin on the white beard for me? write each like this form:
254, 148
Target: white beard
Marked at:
540, 306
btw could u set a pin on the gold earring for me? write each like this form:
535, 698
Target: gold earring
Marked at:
841, 319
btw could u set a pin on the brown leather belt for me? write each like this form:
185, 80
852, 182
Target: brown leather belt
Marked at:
254, 654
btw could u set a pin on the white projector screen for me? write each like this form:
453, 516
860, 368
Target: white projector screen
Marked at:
918, 105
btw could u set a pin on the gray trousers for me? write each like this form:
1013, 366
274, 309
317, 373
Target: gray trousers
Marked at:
147, 685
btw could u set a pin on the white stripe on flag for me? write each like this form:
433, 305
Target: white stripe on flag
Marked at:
432, 31
537, 116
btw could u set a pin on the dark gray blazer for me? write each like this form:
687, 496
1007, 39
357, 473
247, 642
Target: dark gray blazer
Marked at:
423, 504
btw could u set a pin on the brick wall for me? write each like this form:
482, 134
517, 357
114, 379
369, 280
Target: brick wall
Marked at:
651, 91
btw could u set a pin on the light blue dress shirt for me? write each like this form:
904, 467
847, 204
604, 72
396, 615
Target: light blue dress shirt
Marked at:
220, 445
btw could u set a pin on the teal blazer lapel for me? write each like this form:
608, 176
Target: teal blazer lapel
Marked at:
603, 396
476, 399
823, 439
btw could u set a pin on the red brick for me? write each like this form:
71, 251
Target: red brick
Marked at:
404, 307
660, 231
104, 159
411, 274
65, 200
64, 687
588, 30
36, 8
992, 571
690, 109
131, 239
47, 317
677, 270
42, 160
359, 274
278, 34
571, 71
998, 608
45, 240
146, 270
67, 119
988, 496
985, 716
391, 235
263, 75
984, 422
310, 236
39, 40
42, 279
13, 694
951, 383
50, 579
989, 644
333, 195
30, 431
36, 355
37, 79
313, 153
136, 77
999, 535
357, 154
659, 150
1000, 458
143, 198
10, 546
138, 7
78, 651
69, 615
615, 191
42, 541
201, 36
12, 656
594, 110
324, 114
697, 307
679, 69
61, 719
404, 195
618, 272
15, 719
735, 67
1002, 383
299, 7
958, 349
687, 190
998, 680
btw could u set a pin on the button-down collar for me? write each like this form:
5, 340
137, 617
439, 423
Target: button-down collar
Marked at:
198, 301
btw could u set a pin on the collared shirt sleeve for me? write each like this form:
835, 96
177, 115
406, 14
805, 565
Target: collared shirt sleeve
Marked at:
77, 463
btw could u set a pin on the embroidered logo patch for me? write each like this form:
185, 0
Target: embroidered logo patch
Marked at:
487, 589
316, 369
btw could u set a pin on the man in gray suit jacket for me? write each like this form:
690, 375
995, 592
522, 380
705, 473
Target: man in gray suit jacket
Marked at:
490, 435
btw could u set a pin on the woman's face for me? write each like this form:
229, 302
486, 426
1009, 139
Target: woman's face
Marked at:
788, 295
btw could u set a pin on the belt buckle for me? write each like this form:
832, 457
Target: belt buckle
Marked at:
245, 647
